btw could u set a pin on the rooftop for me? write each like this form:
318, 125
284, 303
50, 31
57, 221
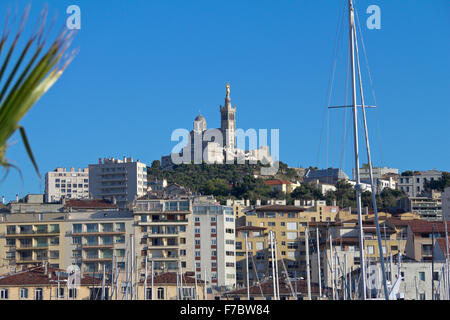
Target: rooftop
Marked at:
37, 276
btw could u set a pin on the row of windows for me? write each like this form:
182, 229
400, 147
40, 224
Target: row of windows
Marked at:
38, 293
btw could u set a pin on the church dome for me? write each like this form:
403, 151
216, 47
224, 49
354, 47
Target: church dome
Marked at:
200, 118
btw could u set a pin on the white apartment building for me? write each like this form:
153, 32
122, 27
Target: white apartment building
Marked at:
118, 180
378, 172
446, 204
68, 184
414, 185
214, 242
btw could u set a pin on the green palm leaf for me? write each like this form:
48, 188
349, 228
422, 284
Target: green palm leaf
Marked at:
29, 79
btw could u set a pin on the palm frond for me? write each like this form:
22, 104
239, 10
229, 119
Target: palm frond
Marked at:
29, 78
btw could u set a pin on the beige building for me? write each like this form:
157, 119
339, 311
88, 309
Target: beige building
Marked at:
420, 238
118, 180
288, 224
70, 184
97, 239
172, 286
163, 232
47, 283
31, 239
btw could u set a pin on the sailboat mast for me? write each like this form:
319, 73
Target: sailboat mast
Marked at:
355, 137
318, 263
308, 277
246, 262
273, 265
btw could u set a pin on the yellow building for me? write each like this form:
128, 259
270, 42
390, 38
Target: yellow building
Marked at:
47, 283
288, 224
31, 239
165, 287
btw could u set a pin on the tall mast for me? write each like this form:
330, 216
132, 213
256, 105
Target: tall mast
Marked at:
332, 266
246, 261
355, 137
273, 265
152, 281
145, 278
308, 277
276, 269
318, 263
447, 292
132, 265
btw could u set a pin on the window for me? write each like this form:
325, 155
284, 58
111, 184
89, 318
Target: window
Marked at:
370, 249
23, 293
238, 245
160, 293
291, 235
213, 230
260, 245
38, 294
213, 219
292, 226
61, 293
4, 294
197, 230
422, 276
72, 293
271, 224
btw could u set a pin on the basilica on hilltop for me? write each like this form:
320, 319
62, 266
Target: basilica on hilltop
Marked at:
216, 145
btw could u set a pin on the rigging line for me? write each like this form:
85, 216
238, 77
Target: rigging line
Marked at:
257, 277
372, 89
330, 81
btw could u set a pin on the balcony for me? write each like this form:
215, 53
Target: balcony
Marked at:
97, 245
33, 233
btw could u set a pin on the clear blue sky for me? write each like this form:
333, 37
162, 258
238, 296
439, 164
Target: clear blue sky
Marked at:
146, 67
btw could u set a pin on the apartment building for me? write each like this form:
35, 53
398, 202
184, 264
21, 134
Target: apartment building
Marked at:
416, 283
288, 224
214, 242
414, 185
70, 184
96, 239
446, 204
427, 208
378, 172
30, 240
257, 243
419, 244
164, 232
118, 180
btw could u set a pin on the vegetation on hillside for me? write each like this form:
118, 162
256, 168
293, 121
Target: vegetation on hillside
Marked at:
238, 182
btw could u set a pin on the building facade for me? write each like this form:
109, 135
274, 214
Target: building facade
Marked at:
118, 180
61, 183
214, 242
163, 233
414, 185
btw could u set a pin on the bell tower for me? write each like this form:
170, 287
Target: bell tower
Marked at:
228, 122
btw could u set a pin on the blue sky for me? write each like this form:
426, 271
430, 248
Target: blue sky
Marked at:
146, 67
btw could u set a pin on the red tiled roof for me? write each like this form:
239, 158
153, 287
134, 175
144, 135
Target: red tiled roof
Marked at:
277, 182
280, 208
171, 278
89, 204
37, 276
442, 243
423, 226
